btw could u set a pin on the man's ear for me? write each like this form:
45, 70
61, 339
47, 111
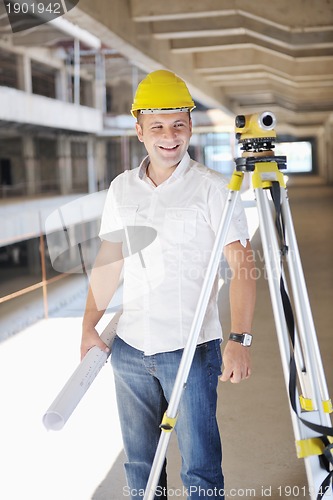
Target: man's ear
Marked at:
139, 132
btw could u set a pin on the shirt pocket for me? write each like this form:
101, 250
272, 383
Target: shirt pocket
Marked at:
180, 224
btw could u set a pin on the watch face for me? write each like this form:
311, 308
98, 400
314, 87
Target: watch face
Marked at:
247, 341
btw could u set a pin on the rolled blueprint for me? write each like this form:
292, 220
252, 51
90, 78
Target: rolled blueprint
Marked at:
79, 382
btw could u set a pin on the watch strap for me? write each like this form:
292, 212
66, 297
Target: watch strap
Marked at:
243, 338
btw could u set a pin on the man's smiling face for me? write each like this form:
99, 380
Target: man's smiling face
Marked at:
166, 137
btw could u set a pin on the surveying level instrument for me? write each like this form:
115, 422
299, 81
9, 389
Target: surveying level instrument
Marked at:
309, 402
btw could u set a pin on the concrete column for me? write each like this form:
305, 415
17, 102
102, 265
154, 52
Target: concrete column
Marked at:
101, 164
76, 71
125, 153
64, 164
329, 142
91, 165
30, 164
322, 165
100, 84
325, 151
24, 73
61, 85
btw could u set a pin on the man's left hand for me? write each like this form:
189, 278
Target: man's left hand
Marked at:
236, 362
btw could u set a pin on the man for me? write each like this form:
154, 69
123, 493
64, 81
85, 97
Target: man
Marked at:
181, 202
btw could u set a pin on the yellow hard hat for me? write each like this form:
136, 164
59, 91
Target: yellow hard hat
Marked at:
161, 92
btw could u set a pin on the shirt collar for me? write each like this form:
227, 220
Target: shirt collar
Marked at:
181, 169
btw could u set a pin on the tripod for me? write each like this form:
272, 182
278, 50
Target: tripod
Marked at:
299, 350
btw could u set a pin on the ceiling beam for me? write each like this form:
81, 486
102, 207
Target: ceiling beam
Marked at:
219, 41
112, 23
249, 54
38, 37
244, 77
240, 25
294, 16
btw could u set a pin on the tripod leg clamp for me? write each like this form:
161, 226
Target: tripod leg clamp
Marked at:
168, 423
236, 180
265, 173
307, 405
327, 405
312, 446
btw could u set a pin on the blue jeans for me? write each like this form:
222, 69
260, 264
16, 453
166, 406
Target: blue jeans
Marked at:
143, 387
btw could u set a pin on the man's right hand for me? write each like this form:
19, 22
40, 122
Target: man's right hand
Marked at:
90, 338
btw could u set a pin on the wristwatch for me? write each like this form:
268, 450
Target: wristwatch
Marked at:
243, 338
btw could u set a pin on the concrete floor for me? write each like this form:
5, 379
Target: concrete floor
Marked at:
84, 460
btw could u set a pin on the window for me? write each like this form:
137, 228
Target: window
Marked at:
218, 152
299, 156
43, 79
8, 69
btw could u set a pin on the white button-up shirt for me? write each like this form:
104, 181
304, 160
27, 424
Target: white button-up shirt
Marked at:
168, 233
